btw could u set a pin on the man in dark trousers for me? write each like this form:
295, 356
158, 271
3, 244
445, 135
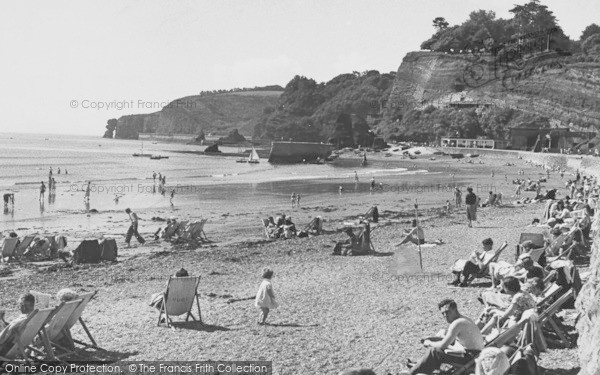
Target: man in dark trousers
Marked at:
471, 203
133, 229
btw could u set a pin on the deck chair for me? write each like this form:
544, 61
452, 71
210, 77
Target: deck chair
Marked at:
179, 299
55, 330
24, 245
484, 273
22, 341
549, 294
194, 231
170, 230
546, 318
315, 226
76, 317
8, 248
537, 239
506, 337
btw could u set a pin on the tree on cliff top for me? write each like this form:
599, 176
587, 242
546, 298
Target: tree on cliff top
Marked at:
589, 31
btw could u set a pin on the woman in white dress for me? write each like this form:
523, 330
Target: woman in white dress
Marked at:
265, 297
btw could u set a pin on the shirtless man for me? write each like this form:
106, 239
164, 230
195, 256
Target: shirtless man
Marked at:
133, 229
461, 330
26, 303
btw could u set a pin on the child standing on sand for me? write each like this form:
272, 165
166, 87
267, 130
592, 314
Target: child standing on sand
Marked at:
265, 297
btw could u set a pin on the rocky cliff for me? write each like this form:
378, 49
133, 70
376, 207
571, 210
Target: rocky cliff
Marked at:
588, 306
561, 88
209, 113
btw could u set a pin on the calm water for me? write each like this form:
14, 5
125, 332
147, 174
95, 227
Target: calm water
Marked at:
25, 161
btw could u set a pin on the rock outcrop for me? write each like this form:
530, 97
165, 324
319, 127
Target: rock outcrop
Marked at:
232, 138
588, 306
211, 112
111, 126
563, 88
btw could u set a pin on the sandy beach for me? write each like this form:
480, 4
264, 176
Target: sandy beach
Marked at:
336, 312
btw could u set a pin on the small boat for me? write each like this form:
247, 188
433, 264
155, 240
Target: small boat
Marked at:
157, 157
253, 158
141, 153
388, 154
411, 156
457, 156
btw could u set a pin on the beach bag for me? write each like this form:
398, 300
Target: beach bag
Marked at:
109, 249
88, 251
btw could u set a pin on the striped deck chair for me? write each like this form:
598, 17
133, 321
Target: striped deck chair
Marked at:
24, 245
22, 341
179, 299
8, 248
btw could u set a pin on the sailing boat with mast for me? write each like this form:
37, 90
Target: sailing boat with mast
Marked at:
253, 158
141, 153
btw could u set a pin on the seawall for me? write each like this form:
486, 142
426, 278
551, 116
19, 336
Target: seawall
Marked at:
588, 165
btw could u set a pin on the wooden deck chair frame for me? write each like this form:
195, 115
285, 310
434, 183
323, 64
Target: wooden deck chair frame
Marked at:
552, 291
9, 245
32, 327
168, 294
75, 317
56, 328
194, 230
27, 240
485, 270
546, 318
509, 335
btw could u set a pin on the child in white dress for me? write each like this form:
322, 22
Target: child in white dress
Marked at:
265, 298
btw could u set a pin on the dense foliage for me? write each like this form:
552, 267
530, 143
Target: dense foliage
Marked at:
308, 111
483, 30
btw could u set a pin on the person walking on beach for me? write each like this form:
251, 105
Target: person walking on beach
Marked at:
42, 191
298, 200
133, 228
457, 197
372, 188
340, 189
355, 177
518, 191
58, 171
471, 203
293, 199
172, 196
153, 176
265, 297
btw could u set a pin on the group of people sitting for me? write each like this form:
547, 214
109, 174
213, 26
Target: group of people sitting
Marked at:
280, 227
355, 244
38, 247
26, 304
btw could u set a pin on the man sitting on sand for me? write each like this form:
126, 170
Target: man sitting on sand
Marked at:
416, 235
462, 337
26, 304
346, 247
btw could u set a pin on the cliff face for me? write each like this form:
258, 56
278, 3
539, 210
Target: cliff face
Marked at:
212, 112
588, 306
562, 88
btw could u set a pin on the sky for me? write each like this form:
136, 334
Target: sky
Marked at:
69, 66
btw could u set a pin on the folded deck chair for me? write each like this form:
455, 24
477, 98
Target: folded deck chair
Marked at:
484, 273
24, 245
24, 337
179, 299
54, 330
8, 248
546, 318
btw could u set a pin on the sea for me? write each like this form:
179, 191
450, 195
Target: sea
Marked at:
118, 179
